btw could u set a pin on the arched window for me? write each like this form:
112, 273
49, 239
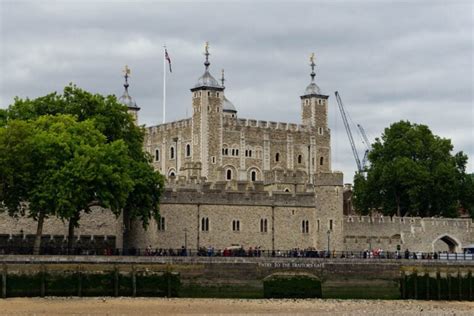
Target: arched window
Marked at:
228, 175
300, 159
253, 175
188, 150
171, 152
161, 224
305, 226
157, 155
171, 173
321, 161
277, 157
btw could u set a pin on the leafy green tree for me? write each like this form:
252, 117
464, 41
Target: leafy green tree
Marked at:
412, 172
117, 176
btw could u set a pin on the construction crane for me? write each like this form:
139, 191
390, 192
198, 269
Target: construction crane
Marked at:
349, 132
367, 145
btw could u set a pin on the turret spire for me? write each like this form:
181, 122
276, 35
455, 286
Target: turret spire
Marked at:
222, 79
206, 53
313, 74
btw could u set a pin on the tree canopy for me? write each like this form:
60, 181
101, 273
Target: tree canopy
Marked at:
413, 172
63, 153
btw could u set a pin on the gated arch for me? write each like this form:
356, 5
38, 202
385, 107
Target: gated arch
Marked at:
451, 242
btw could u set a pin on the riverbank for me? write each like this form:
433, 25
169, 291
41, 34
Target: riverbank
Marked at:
123, 306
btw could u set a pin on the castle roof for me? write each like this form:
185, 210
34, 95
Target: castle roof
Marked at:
207, 80
126, 99
228, 106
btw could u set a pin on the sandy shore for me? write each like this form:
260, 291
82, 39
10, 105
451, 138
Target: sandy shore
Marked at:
162, 306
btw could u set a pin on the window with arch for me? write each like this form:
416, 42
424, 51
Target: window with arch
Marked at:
263, 225
236, 225
172, 173
300, 159
228, 174
172, 152
188, 150
305, 226
205, 224
320, 130
253, 175
157, 155
277, 157
321, 161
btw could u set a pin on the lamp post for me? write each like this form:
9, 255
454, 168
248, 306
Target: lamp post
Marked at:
329, 236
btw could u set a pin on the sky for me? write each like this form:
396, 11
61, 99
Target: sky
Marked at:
389, 60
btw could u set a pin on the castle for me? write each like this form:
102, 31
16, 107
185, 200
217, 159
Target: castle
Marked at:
234, 181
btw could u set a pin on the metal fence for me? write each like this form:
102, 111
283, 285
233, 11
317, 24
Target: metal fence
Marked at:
239, 252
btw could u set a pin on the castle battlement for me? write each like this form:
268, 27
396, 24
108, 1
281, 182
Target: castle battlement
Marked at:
270, 125
211, 195
410, 221
169, 126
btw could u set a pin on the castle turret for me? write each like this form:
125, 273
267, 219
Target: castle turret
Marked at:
126, 99
208, 99
314, 113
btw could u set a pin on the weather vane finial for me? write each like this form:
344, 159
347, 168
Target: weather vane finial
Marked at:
311, 59
126, 72
206, 52
222, 78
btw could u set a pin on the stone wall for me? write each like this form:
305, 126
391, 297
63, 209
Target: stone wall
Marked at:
100, 222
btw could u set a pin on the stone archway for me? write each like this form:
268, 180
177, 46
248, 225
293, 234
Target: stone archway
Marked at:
447, 243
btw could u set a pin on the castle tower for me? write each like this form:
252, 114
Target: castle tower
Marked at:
207, 100
314, 113
127, 100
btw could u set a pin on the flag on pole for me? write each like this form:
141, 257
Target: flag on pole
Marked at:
167, 57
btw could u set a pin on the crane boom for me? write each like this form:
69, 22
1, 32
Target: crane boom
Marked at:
364, 136
367, 144
348, 130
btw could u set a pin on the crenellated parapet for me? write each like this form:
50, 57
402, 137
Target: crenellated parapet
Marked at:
267, 125
184, 123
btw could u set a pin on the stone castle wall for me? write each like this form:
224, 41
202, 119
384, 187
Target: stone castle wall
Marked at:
99, 223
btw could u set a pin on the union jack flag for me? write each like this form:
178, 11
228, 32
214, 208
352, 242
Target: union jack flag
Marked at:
167, 57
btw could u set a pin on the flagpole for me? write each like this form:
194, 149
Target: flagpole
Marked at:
164, 85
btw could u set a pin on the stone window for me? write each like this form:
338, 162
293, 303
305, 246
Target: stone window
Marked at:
300, 159
213, 159
318, 224
205, 224
161, 224
236, 225
157, 155
217, 93
320, 130
188, 150
208, 94
172, 152
236, 152
330, 224
233, 152
172, 173
321, 161
253, 175
305, 226
277, 157
263, 225
228, 174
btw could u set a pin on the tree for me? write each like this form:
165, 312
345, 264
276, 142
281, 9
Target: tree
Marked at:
412, 172
118, 177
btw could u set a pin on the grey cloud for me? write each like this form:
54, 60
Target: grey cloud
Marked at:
389, 61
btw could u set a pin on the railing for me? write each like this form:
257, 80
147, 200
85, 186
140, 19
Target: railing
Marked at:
238, 252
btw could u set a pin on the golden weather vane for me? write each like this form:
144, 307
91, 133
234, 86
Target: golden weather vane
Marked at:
126, 70
206, 47
311, 58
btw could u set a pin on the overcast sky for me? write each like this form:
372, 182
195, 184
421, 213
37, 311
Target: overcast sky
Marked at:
410, 60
